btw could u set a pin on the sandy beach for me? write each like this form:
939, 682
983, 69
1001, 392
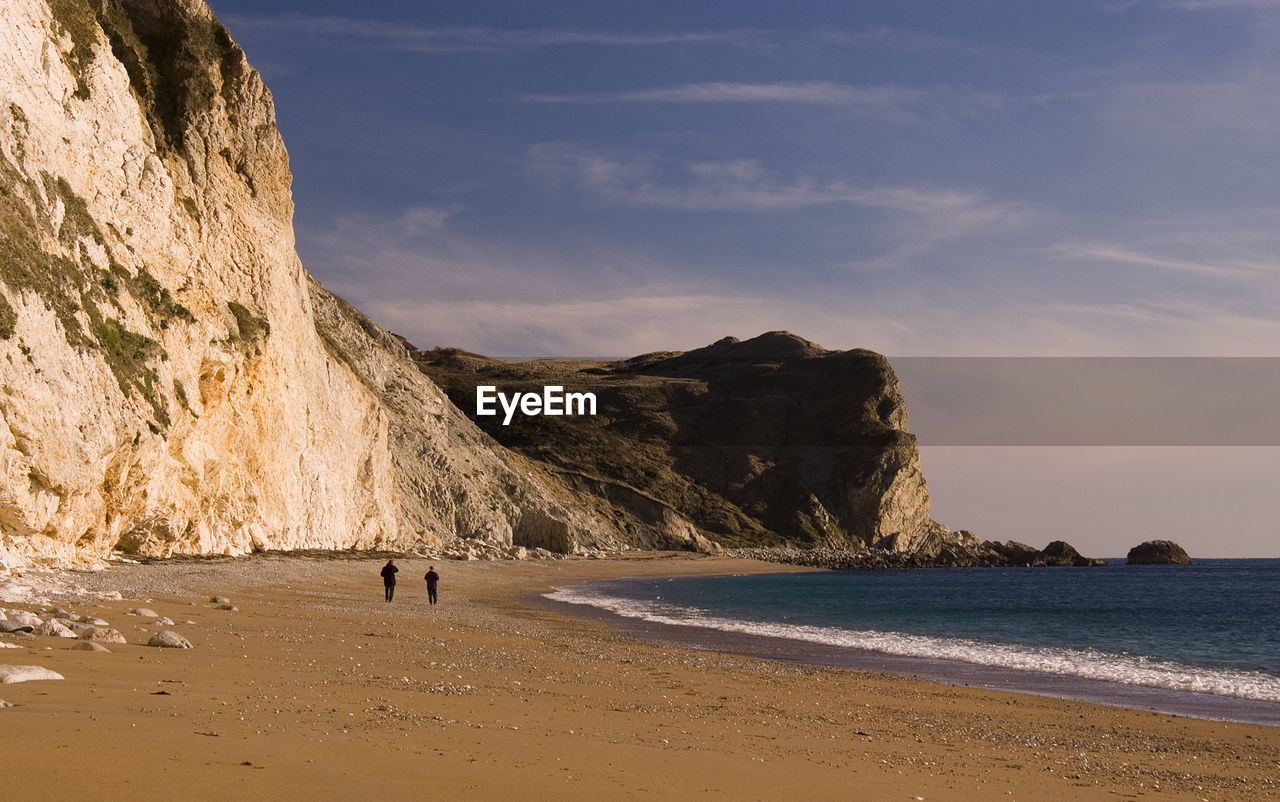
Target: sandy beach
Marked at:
316, 688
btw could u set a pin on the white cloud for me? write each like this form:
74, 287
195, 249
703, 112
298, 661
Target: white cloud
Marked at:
1210, 5
746, 185
1122, 255
887, 100
461, 39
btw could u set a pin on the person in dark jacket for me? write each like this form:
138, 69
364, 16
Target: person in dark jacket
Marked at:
389, 572
433, 581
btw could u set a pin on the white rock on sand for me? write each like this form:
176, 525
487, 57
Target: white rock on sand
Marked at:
3, 703
89, 646
229, 607
220, 600
25, 618
11, 674
102, 635
54, 628
15, 626
169, 640
145, 612
163, 622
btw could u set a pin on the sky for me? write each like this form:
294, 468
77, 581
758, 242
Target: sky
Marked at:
926, 179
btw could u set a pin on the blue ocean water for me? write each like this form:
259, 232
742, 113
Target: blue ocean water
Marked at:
1209, 628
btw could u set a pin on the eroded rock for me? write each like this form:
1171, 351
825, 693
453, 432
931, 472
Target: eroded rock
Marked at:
169, 639
11, 674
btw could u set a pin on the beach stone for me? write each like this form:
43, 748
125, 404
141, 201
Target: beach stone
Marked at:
163, 622
54, 628
58, 612
102, 635
92, 621
220, 600
15, 626
145, 612
25, 618
169, 640
12, 674
1158, 552
89, 646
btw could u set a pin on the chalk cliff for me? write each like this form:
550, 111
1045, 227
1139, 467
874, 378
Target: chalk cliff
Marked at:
171, 379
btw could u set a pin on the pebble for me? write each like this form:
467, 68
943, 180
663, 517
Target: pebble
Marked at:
145, 612
163, 622
220, 600
230, 607
3, 703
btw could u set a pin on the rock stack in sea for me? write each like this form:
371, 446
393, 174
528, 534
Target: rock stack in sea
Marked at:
1158, 552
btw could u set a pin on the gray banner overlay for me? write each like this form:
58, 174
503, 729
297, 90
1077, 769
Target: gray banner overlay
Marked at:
1092, 401
1074, 401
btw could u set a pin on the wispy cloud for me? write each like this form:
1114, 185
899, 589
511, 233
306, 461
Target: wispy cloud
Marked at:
1121, 255
887, 100
1209, 5
746, 185
460, 39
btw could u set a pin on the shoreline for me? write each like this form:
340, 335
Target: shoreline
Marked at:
1204, 706
317, 687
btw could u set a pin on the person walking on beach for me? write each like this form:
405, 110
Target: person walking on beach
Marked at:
389, 572
433, 581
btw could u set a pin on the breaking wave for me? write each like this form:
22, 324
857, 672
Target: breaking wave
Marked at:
1089, 664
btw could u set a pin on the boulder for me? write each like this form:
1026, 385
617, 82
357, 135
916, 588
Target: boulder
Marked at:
1016, 553
145, 612
54, 628
102, 635
1060, 552
1158, 552
11, 674
169, 639
220, 600
163, 622
89, 646
25, 618
15, 626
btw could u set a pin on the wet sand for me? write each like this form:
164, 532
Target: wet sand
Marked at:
316, 688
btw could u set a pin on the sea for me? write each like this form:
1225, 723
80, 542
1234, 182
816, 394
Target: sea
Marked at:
1200, 640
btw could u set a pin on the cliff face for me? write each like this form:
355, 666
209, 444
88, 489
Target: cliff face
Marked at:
171, 379
774, 440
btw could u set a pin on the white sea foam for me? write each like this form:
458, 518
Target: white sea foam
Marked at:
1090, 664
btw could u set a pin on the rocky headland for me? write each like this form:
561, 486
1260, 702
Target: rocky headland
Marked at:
173, 382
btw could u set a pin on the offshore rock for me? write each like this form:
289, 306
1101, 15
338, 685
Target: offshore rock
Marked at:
1158, 552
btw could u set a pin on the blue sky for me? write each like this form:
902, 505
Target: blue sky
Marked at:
928, 178
1099, 177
